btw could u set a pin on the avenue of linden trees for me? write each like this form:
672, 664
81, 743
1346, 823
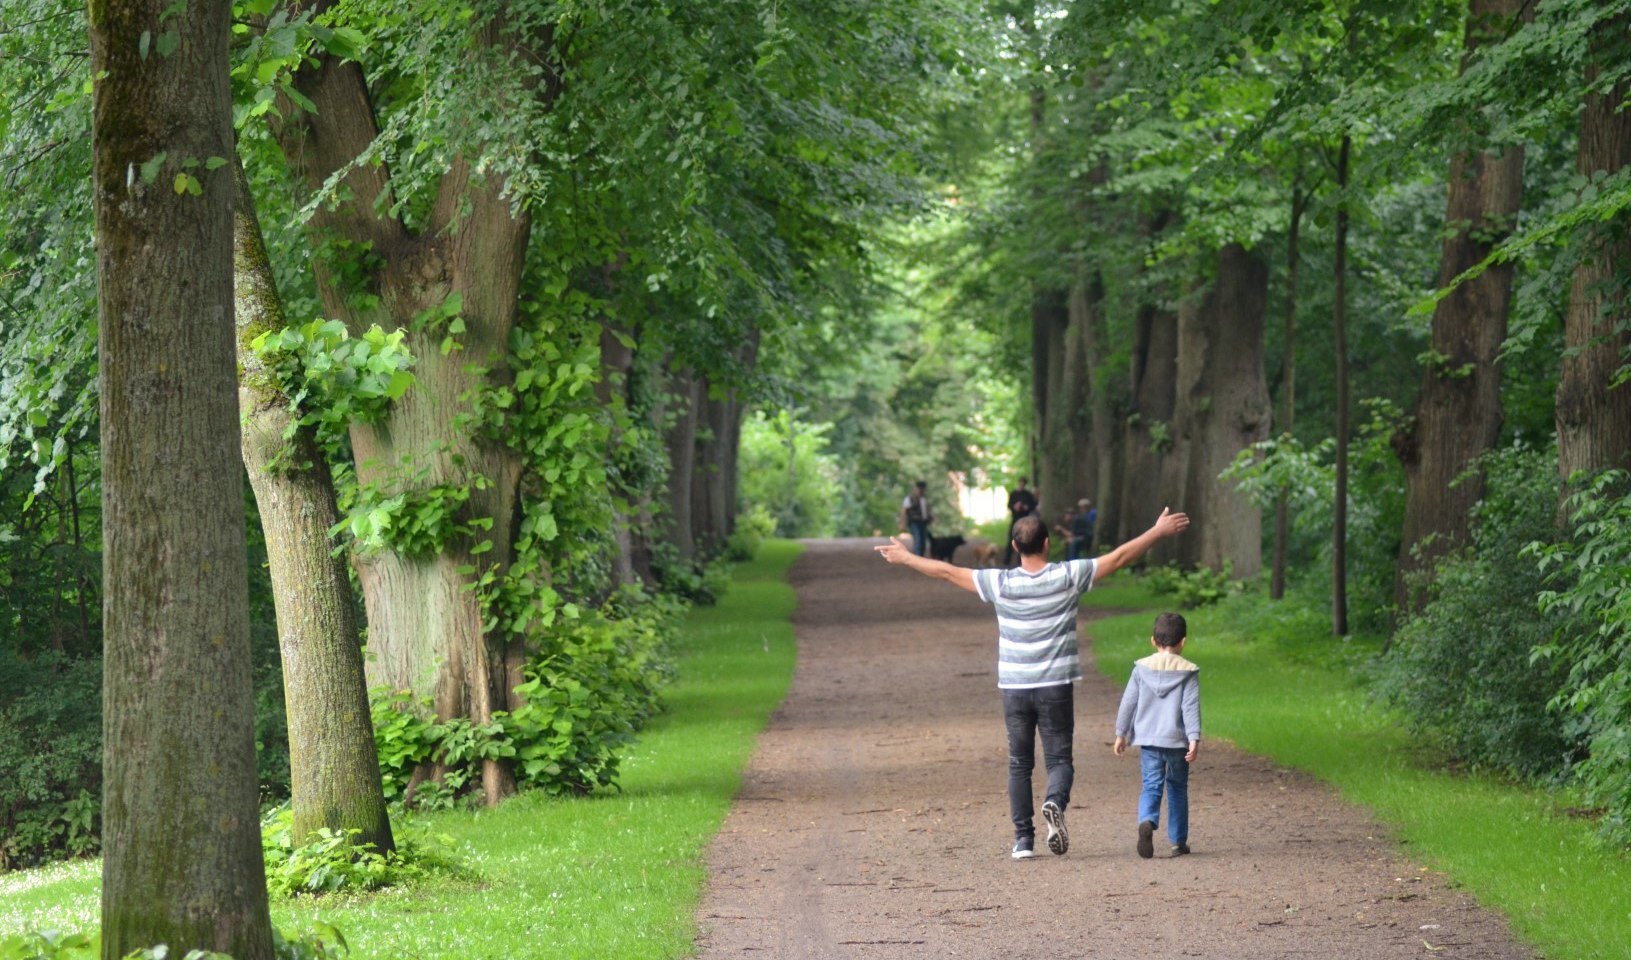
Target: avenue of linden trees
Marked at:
413, 414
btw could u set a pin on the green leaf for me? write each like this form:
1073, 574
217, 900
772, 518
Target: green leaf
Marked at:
150, 169
168, 42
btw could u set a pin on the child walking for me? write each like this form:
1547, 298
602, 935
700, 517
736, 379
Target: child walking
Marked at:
1161, 715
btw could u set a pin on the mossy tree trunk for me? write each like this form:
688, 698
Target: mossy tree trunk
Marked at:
425, 623
1457, 417
180, 818
1593, 418
334, 777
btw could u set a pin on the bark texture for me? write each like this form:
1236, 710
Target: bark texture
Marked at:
1457, 417
1593, 419
181, 833
425, 629
1225, 408
334, 775
1153, 385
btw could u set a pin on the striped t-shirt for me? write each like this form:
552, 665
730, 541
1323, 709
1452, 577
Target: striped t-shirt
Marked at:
1036, 622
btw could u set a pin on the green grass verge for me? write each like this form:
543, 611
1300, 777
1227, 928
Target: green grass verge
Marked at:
1276, 684
610, 876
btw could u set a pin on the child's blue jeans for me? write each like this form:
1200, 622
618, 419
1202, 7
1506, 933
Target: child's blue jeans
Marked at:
1165, 767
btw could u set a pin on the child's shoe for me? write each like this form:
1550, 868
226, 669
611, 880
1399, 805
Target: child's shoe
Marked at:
1058, 839
1146, 839
1024, 848
1179, 849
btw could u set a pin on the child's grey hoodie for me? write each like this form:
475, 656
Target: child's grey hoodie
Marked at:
1161, 706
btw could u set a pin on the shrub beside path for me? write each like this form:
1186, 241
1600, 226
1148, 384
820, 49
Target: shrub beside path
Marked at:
873, 820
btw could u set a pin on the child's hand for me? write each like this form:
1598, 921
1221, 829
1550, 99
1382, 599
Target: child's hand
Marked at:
1194, 750
1121, 746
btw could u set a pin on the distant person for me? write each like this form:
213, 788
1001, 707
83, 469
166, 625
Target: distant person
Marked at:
1161, 715
1037, 658
915, 517
1082, 523
1021, 503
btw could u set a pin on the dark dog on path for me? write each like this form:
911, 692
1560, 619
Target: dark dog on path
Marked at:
942, 548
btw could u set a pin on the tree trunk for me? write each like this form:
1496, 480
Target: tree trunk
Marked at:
1288, 386
682, 459
1148, 439
1177, 447
334, 778
612, 391
1101, 481
1457, 417
1594, 420
425, 629
180, 815
1339, 524
1050, 321
1225, 408
707, 483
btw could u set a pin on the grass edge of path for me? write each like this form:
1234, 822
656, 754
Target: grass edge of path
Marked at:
1276, 690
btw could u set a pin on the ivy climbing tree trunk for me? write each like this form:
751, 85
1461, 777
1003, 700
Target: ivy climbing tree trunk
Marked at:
1457, 416
1593, 417
453, 286
1225, 407
180, 815
334, 778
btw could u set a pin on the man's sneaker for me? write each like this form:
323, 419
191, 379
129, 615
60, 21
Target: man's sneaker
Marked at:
1058, 839
1146, 839
1024, 848
1179, 849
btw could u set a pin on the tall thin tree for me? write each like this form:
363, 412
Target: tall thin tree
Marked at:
181, 840
1339, 321
334, 777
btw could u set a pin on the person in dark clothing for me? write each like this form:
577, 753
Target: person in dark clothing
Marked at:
915, 517
1081, 530
1021, 503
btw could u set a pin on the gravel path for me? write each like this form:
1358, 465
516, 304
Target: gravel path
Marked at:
873, 820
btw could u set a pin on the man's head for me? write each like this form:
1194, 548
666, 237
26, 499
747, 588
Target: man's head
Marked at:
1083, 504
922, 485
1170, 631
1030, 536
1021, 484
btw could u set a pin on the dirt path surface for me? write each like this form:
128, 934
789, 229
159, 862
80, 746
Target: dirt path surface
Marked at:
873, 820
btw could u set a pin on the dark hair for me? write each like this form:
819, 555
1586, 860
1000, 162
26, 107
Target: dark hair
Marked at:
1170, 630
1024, 479
1030, 535
924, 484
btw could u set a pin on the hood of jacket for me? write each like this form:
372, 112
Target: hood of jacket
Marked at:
1165, 671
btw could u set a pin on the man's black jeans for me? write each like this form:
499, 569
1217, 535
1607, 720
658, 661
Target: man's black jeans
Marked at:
1050, 711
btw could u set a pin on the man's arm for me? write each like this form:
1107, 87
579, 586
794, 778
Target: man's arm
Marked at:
1168, 525
896, 552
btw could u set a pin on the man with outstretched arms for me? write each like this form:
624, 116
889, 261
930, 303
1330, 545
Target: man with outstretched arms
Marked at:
1036, 656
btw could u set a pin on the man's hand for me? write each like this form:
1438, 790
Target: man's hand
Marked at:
1120, 747
1194, 751
1170, 524
896, 550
